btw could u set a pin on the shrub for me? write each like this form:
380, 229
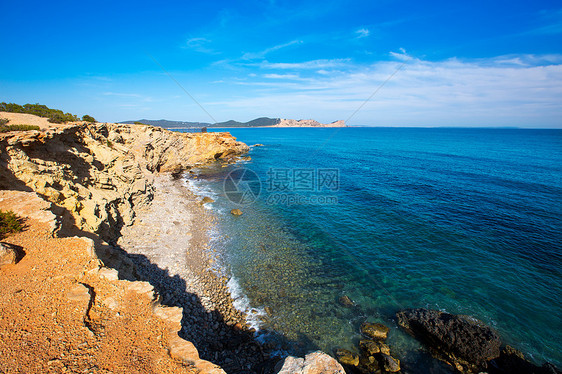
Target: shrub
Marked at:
140, 123
4, 121
54, 115
88, 118
9, 223
18, 128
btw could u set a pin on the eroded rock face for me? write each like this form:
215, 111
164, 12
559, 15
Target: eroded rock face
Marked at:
462, 341
100, 173
313, 363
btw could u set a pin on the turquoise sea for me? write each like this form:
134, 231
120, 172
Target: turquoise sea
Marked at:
463, 220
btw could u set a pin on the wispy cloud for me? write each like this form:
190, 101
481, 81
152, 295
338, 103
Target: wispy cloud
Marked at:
522, 90
199, 45
362, 33
262, 54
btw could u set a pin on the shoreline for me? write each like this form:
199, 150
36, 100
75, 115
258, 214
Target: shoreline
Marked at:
170, 246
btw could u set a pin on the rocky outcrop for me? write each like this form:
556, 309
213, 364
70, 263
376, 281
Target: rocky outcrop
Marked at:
313, 363
308, 123
462, 341
100, 173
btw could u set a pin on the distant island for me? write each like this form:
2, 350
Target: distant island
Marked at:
258, 122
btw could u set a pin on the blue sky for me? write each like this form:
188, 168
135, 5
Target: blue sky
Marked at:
479, 63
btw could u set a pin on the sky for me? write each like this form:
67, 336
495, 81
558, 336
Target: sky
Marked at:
370, 63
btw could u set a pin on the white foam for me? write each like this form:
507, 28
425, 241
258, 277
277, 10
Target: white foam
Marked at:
242, 303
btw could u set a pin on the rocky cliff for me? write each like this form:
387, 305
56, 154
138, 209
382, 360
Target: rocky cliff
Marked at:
99, 173
308, 123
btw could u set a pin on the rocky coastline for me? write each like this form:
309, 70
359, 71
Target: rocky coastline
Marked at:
117, 190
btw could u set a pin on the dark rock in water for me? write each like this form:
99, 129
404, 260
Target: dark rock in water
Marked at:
268, 310
206, 200
390, 363
346, 357
374, 330
236, 212
513, 362
346, 301
368, 365
462, 341
258, 145
373, 347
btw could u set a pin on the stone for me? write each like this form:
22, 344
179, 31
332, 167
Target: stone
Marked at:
313, 363
258, 145
390, 363
514, 362
236, 212
372, 347
346, 357
346, 301
456, 339
206, 200
374, 330
8, 254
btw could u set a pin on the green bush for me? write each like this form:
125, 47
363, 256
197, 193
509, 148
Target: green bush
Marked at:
9, 223
4, 121
54, 115
140, 123
88, 118
9, 128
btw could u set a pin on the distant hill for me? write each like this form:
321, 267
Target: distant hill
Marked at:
258, 122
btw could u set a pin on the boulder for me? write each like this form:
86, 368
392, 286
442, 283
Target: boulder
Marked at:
313, 363
513, 361
372, 347
390, 363
258, 145
236, 212
461, 341
9, 254
346, 357
374, 330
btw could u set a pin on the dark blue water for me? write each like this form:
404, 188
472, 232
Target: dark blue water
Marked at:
463, 220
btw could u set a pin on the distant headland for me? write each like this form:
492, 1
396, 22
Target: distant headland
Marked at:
258, 122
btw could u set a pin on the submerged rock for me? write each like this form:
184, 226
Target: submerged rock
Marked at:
390, 363
346, 357
461, 341
313, 363
236, 212
513, 361
372, 347
346, 301
206, 200
374, 330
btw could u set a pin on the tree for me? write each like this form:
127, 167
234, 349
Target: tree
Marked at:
88, 118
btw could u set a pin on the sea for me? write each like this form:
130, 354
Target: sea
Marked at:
463, 220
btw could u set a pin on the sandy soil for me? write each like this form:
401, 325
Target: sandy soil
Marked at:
58, 315
27, 119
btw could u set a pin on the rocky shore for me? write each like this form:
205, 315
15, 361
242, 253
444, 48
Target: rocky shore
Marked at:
113, 268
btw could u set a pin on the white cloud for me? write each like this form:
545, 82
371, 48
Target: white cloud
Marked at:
362, 33
501, 91
262, 54
199, 45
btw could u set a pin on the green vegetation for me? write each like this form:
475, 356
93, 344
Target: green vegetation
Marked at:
140, 123
9, 223
4, 128
88, 118
3, 121
109, 143
54, 115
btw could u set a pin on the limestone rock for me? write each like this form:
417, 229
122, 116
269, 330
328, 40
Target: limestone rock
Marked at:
461, 341
375, 330
390, 363
236, 212
346, 357
313, 363
206, 200
8, 254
